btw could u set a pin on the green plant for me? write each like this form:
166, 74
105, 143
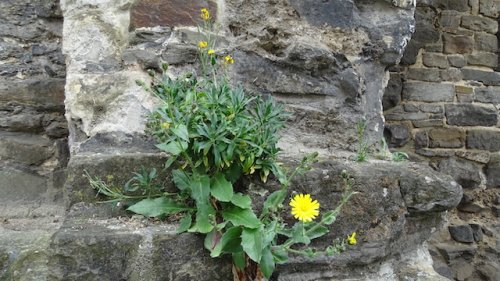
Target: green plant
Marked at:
214, 134
362, 149
399, 156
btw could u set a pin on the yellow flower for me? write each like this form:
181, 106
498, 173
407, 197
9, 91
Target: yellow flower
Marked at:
202, 44
229, 59
351, 239
205, 15
165, 125
211, 52
304, 208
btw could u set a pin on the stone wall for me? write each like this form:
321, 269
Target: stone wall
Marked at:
442, 105
33, 130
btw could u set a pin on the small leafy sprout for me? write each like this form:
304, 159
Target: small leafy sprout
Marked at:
362, 150
398, 156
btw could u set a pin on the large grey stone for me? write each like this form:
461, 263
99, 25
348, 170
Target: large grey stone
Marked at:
446, 138
487, 94
480, 23
487, 77
457, 44
396, 135
428, 92
483, 139
464, 172
485, 42
461, 233
483, 59
392, 94
493, 171
25, 148
46, 92
18, 185
471, 115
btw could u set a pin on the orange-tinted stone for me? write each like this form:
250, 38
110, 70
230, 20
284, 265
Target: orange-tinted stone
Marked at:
149, 13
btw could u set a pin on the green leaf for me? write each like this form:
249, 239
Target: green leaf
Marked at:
181, 180
329, 217
239, 260
209, 241
298, 234
185, 223
251, 241
203, 218
182, 132
200, 188
157, 207
269, 232
317, 232
280, 255
267, 264
239, 216
229, 240
273, 200
221, 188
170, 161
242, 201
173, 147
233, 173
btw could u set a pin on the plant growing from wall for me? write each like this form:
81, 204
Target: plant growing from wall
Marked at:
215, 134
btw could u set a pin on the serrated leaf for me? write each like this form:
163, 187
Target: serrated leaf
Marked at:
173, 147
203, 222
242, 201
239, 260
181, 131
239, 216
317, 231
267, 264
329, 217
181, 180
280, 255
273, 200
200, 188
157, 207
251, 241
221, 188
231, 239
298, 234
185, 223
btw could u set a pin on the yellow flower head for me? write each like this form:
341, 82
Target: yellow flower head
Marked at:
211, 52
351, 239
202, 44
304, 208
165, 125
205, 15
228, 59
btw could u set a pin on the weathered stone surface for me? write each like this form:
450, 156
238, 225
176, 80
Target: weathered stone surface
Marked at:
457, 60
490, 271
25, 148
487, 95
449, 19
477, 232
464, 172
461, 233
455, 252
477, 156
429, 92
151, 13
392, 94
483, 139
435, 60
485, 42
483, 59
470, 115
451, 74
428, 123
489, 8
396, 135
479, 23
487, 77
431, 108
18, 185
457, 5
457, 44
423, 74
421, 139
446, 138
493, 171
46, 92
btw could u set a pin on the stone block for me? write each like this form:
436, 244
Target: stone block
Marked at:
485, 42
457, 44
406, 116
411, 107
490, 270
466, 173
487, 95
428, 123
46, 93
486, 77
24, 121
151, 13
449, 19
180, 54
480, 23
461, 233
477, 156
470, 115
463, 89
465, 98
392, 94
20, 186
435, 60
457, 60
451, 74
452, 252
446, 138
457, 5
423, 74
477, 232
482, 59
428, 92
396, 135
435, 152
421, 139
431, 108
25, 148
493, 171
483, 139
489, 8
